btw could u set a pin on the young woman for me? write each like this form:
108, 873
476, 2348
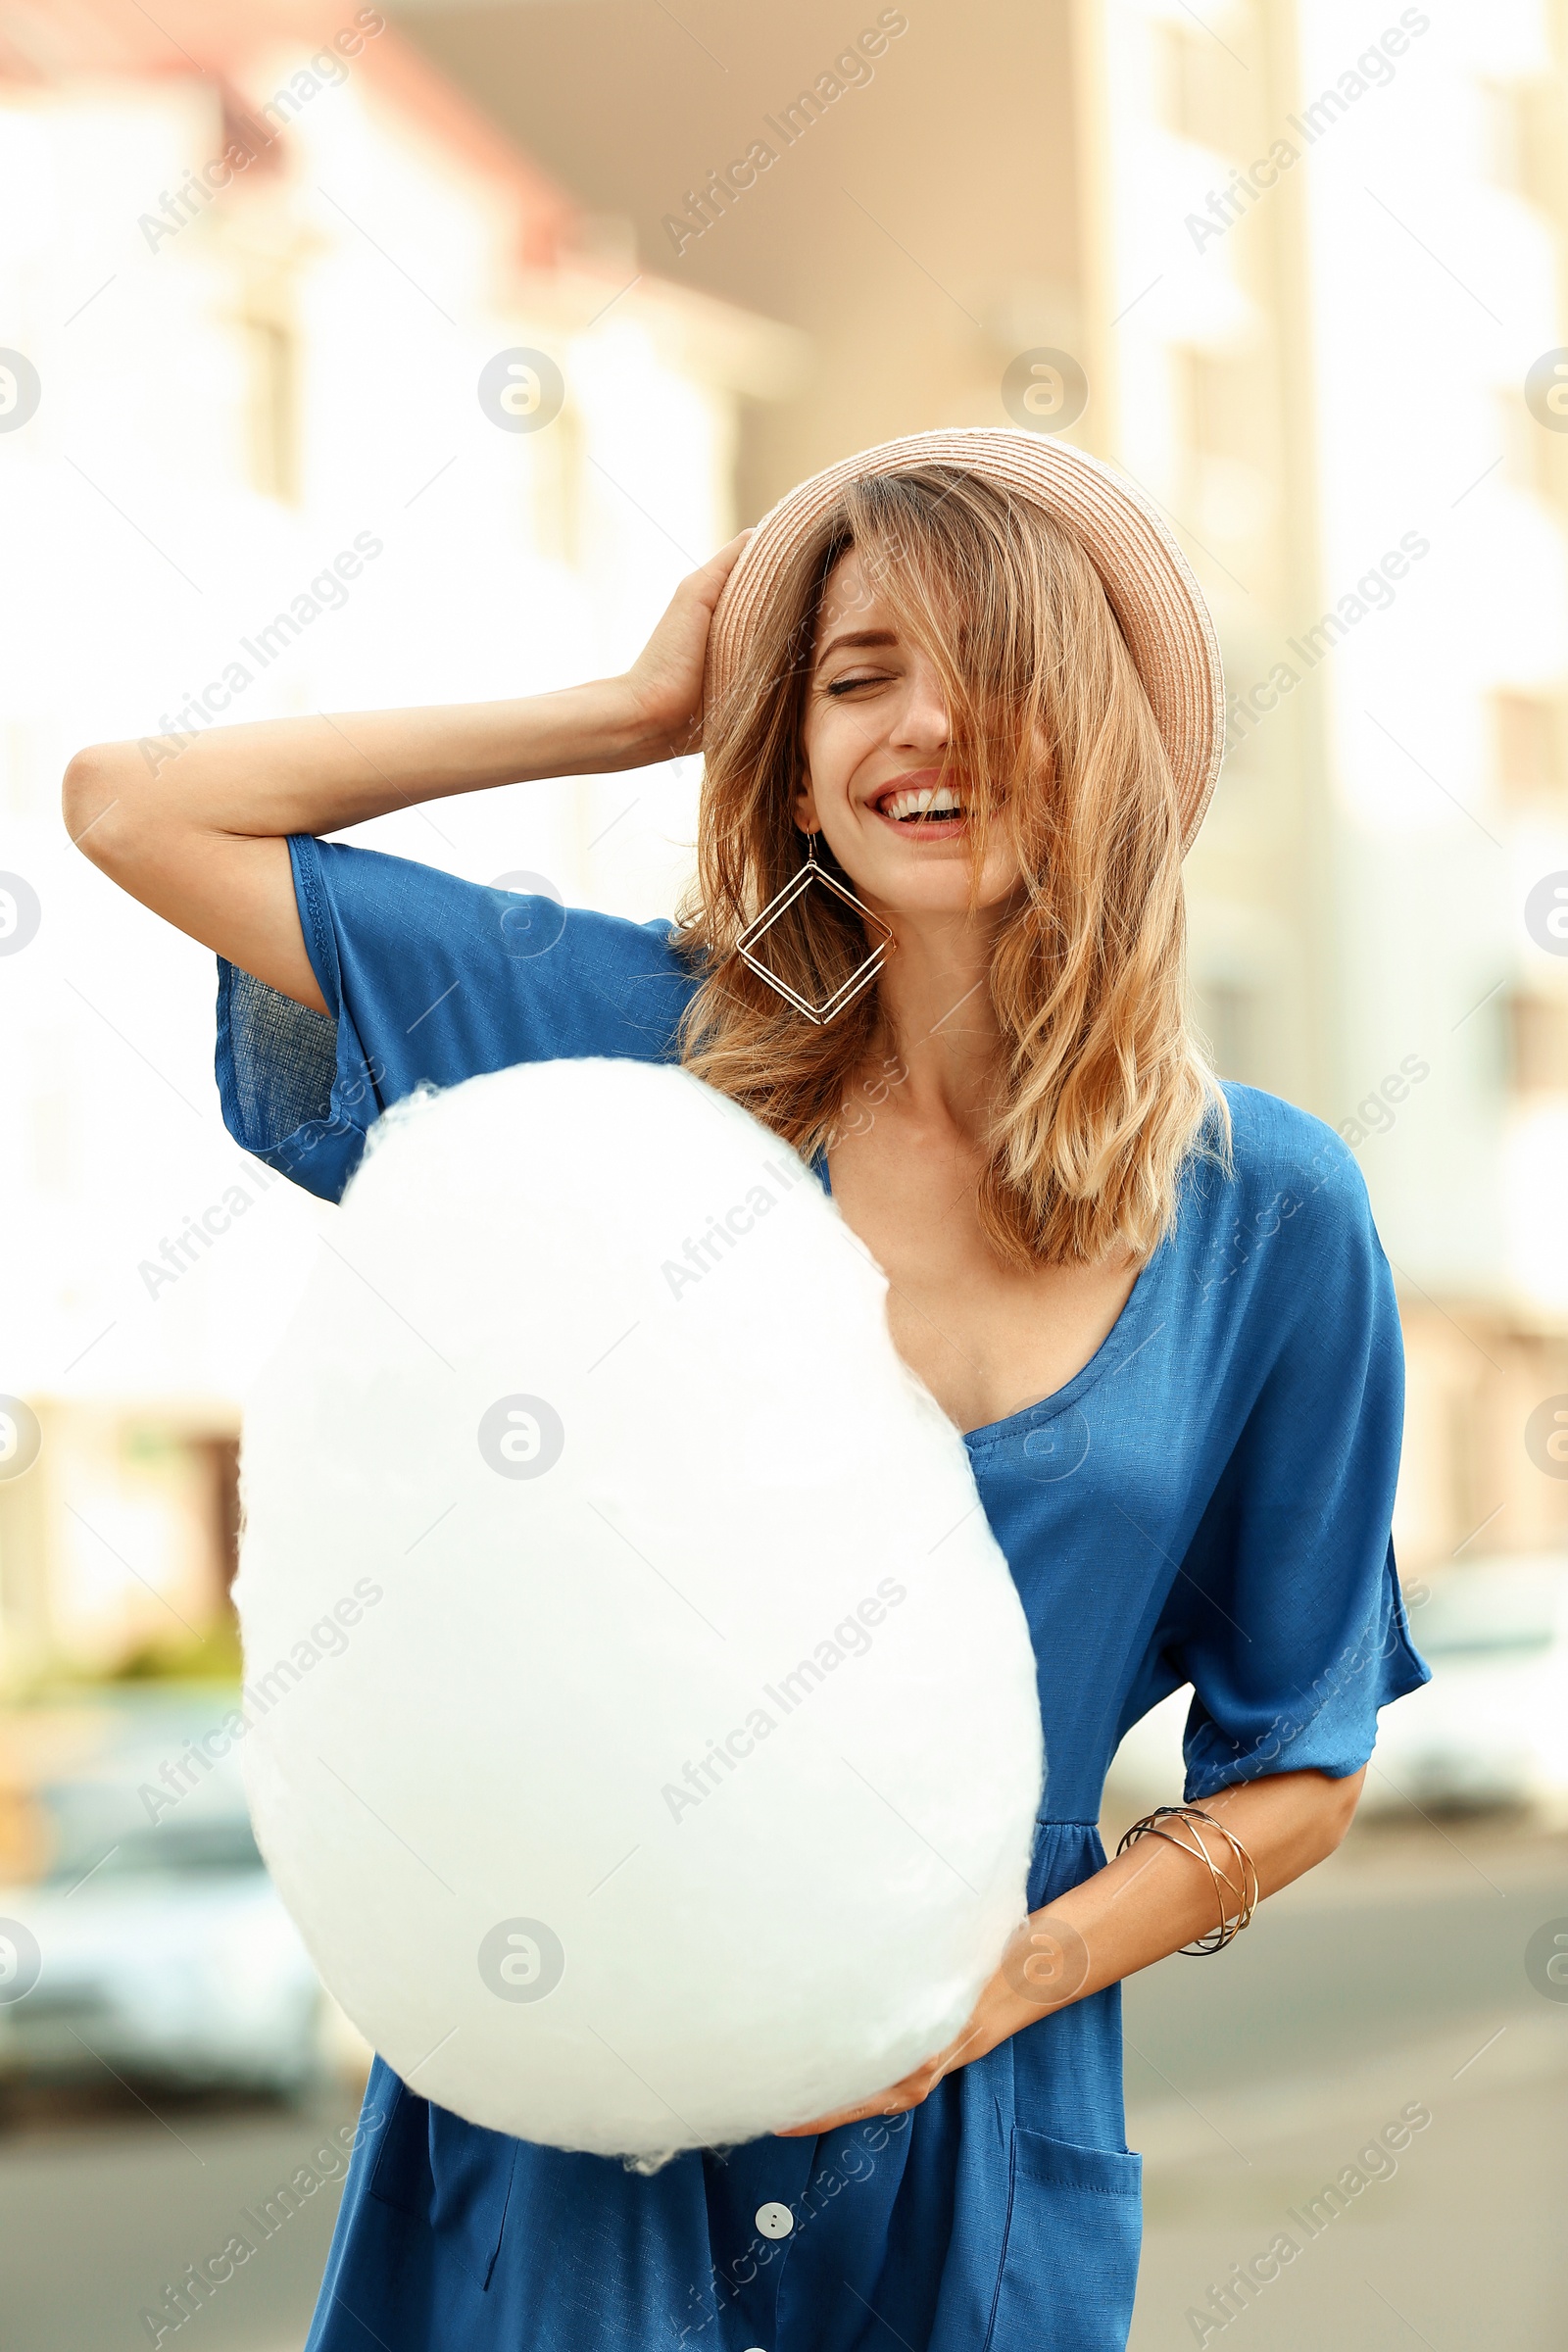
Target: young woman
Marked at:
969, 679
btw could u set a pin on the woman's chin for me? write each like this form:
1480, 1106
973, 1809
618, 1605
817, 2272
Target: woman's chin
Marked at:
932, 881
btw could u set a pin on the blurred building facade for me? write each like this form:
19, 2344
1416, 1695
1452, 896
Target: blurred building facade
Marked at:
317, 394
1330, 252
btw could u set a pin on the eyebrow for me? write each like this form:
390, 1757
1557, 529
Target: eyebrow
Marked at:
856, 637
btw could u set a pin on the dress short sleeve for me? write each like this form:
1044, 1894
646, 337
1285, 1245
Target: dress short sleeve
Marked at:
428, 980
1287, 1615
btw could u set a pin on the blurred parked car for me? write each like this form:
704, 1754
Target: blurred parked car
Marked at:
156, 1947
1491, 1725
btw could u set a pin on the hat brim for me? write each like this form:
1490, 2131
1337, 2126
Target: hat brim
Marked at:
1147, 580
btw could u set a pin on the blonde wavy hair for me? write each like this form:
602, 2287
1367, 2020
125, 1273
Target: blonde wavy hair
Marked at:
1101, 1092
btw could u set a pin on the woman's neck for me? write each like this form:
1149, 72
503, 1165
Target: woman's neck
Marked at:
936, 1001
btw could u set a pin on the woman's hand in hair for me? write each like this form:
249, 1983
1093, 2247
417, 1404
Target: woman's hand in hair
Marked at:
665, 680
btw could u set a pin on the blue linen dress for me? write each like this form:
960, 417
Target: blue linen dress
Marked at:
1208, 1501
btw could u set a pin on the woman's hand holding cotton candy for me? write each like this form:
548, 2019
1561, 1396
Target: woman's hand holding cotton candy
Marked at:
665, 681
1140, 1909
1044, 1968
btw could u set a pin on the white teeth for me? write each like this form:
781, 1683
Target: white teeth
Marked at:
930, 798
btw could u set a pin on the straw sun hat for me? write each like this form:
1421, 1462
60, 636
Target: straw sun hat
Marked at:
1147, 580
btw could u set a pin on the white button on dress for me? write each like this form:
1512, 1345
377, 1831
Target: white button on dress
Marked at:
774, 2221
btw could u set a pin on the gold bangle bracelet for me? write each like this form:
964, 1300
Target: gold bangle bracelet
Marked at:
1236, 1897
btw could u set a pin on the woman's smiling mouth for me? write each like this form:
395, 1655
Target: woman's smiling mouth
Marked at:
922, 809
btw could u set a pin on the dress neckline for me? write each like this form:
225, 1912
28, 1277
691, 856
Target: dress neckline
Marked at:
1129, 1332
1119, 1345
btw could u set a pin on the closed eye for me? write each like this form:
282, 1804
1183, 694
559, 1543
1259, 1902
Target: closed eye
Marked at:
849, 685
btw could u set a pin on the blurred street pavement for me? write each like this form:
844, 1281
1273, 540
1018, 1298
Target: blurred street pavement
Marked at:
99, 2212
1393, 1976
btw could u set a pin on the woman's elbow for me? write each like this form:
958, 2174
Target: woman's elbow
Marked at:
97, 801
1338, 1809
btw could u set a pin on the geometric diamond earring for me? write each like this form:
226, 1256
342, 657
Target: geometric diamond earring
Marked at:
797, 885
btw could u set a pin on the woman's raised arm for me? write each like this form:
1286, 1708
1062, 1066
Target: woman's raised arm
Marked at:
195, 827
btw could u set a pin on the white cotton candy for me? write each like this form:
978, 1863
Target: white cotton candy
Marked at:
644, 1728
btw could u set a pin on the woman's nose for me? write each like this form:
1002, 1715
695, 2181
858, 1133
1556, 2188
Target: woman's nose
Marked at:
922, 722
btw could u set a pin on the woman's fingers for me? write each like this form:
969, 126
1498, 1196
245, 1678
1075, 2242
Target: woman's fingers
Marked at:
886, 2105
916, 2088
666, 677
708, 579
911, 2092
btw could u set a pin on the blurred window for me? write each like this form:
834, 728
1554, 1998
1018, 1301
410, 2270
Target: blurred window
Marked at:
53, 1126
1506, 135
1200, 89
1224, 491
1527, 450
1526, 758
272, 407
558, 462
1213, 397
1469, 1464
1227, 1012
1537, 1044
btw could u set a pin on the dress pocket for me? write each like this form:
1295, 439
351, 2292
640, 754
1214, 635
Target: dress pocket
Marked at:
454, 2176
1069, 2259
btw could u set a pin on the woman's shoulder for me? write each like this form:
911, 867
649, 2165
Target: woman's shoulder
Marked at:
1275, 1143
1285, 1200
523, 913
429, 979
382, 929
